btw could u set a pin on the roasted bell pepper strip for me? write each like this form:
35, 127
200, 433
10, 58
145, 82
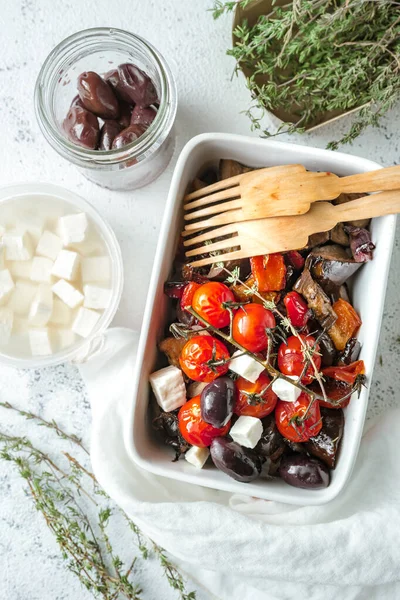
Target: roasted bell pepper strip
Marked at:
188, 294
297, 309
347, 374
295, 259
346, 325
269, 272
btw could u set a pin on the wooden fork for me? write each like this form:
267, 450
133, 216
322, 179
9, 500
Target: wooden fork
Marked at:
280, 234
286, 190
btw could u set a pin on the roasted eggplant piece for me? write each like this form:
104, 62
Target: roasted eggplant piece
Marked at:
360, 243
229, 168
346, 198
172, 348
350, 354
327, 349
317, 239
166, 424
331, 266
325, 445
316, 299
218, 273
338, 235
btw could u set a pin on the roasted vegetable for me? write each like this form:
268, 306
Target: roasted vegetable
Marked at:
346, 373
316, 298
230, 168
338, 235
350, 353
346, 325
172, 348
269, 272
317, 239
331, 266
218, 272
326, 444
360, 244
346, 198
167, 425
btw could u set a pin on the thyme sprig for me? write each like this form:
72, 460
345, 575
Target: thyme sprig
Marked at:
60, 493
312, 57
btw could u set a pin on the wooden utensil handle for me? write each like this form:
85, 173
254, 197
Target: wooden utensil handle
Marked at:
375, 205
372, 181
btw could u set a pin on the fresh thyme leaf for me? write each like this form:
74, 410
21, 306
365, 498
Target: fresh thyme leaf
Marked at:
315, 57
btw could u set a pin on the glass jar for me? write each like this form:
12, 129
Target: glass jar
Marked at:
100, 50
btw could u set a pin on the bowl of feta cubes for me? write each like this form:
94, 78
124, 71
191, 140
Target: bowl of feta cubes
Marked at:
61, 275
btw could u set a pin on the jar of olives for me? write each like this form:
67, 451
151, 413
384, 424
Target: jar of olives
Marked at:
106, 100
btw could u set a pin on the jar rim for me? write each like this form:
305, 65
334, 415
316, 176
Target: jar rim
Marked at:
51, 69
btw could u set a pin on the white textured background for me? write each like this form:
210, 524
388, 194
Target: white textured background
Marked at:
194, 45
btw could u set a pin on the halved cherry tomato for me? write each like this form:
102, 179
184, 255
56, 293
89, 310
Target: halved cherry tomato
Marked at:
269, 272
297, 309
291, 357
290, 421
250, 324
192, 427
204, 358
188, 294
347, 373
251, 401
208, 301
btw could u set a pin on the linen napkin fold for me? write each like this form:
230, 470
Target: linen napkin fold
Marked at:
239, 547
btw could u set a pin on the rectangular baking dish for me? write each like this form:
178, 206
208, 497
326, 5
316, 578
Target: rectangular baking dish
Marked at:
368, 294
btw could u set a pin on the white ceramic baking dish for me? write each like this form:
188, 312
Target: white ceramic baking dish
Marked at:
368, 296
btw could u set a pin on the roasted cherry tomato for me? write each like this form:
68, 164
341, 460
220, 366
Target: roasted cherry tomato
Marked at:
347, 373
208, 301
295, 259
204, 358
250, 324
291, 357
188, 293
252, 401
269, 272
192, 427
297, 309
290, 419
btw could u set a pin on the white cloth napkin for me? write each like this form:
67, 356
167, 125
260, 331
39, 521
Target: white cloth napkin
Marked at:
241, 548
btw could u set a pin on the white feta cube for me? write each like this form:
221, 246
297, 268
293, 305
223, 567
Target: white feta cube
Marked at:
42, 306
66, 265
169, 388
96, 268
197, 456
91, 246
245, 366
31, 223
6, 325
6, 285
22, 297
49, 245
285, 390
18, 245
20, 325
39, 340
67, 293
62, 314
41, 269
85, 321
247, 431
20, 269
96, 297
73, 228
64, 338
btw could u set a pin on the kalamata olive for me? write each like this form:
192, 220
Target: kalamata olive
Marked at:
127, 136
82, 127
144, 116
217, 401
135, 86
76, 101
112, 77
125, 115
302, 471
271, 444
108, 133
97, 95
325, 445
234, 460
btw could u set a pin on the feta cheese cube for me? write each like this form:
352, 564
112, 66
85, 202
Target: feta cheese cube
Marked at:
96, 297
42, 306
6, 284
66, 265
49, 245
96, 268
72, 228
18, 245
20, 325
285, 390
61, 315
245, 366
6, 325
39, 340
64, 338
22, 296
85, 321
197, 456
91, 246
67, 293
41, 269
20, 269
247, 431
169, 388
31, 223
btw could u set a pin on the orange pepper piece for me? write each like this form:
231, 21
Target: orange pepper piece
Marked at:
346, 325
269, 272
